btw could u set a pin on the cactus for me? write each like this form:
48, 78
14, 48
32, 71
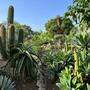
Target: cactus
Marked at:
11, 40
1, 47
11, 36
10, 15
20, 36
3, 40
10, 44
3, 35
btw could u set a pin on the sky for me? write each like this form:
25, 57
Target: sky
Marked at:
34, 12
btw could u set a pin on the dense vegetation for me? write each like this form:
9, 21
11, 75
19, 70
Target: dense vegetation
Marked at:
60, 55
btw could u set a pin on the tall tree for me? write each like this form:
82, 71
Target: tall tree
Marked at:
59, 25
80, 11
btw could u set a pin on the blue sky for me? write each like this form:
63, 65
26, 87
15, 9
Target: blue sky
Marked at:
34, 12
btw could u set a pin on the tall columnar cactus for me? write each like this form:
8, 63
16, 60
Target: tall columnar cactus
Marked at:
10, 15
20, 36
3, 35
1, 48
3, 40
11, 36
4, 47
11, 40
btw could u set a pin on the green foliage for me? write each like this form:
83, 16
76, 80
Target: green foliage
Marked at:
66, 25
83, 40
54, 25
70, 63
56, 62
51, 25
6, 82
80, 11
26, 29
63, 25
65, 80
44, 37
88, 87
24, 63
41, 39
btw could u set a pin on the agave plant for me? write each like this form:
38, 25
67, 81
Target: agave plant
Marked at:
57, 62
83, 40
24, 63
6, 82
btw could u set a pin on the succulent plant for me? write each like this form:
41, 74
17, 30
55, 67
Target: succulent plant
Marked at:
3, 40
6, 82
10, 15
11, 35
7, 37
20, 36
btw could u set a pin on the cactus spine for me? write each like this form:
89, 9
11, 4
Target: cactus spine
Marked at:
10, 15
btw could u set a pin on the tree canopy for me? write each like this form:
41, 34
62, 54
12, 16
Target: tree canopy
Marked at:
59, 24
